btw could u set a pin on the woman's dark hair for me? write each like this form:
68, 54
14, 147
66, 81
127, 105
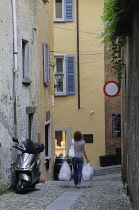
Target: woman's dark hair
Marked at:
78, 136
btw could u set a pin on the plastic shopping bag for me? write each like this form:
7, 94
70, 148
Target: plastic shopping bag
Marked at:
71, 150
65, 172
87, 172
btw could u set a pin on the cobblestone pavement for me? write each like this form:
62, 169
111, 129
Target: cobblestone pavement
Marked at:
104, 192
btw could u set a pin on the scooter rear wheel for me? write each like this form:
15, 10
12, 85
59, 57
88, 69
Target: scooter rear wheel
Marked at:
22, 186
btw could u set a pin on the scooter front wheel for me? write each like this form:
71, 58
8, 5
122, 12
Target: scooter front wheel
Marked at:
22, 186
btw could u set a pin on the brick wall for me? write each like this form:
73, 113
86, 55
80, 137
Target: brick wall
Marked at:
112, 106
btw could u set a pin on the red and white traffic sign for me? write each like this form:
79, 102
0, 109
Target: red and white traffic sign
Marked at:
111, 89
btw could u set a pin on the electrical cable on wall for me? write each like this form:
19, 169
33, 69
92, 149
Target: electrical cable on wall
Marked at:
75, 30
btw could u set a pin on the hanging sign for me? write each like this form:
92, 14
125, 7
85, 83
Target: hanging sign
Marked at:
111, 89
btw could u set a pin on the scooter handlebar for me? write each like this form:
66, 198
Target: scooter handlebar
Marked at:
20, 148
15, 140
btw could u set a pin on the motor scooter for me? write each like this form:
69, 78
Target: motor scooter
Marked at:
27, 165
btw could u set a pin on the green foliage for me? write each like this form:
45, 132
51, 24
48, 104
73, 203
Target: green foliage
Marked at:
117, 18
4, 192
3, 189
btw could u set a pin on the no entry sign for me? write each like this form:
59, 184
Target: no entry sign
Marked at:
111, 89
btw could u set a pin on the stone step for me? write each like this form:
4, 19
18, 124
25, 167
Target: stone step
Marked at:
98, 170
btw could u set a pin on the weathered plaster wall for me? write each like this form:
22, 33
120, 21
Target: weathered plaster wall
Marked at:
16, 96
6, 91
26, 95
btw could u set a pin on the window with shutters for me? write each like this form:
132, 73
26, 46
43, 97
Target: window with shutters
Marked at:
63, 10
25, 62
46, 63
64, 75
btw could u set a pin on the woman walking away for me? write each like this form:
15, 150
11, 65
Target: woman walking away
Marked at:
77, 160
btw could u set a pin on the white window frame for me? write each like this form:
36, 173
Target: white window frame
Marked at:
63, 56
59, 19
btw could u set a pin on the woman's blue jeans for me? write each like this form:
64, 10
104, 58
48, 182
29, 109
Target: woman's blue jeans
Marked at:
77, 163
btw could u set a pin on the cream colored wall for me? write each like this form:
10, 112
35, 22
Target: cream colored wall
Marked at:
67, 113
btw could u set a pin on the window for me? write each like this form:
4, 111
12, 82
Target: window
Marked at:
30, 124
64, 81
116, 125
60, 82
46, 63
47, 143
25, 62
47, 139
63, 10
58, 9
62, 141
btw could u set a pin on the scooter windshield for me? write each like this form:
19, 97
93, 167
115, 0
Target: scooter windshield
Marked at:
28, 145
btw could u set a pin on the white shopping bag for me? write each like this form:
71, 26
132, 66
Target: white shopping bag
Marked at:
71, 150
65, 172
87, 172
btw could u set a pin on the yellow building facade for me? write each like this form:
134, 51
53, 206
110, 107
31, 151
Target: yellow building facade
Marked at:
79, 76
45, 130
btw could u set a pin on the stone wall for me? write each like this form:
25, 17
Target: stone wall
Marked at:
132, 118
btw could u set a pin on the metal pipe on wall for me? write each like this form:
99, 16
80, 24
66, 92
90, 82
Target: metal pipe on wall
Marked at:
15, 59
78, 51
14, 33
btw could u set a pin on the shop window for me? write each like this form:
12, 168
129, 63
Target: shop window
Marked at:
60, 143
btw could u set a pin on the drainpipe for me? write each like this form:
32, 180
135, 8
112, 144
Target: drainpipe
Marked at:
78, 58
119, 56
14, 34
15, 60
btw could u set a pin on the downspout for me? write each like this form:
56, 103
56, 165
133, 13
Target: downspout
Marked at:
14, 34
15, 61
78, 57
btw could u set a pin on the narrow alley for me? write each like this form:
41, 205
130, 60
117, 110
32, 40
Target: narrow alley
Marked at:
104, 192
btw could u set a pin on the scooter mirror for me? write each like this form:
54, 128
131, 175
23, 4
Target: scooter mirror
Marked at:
15, 140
